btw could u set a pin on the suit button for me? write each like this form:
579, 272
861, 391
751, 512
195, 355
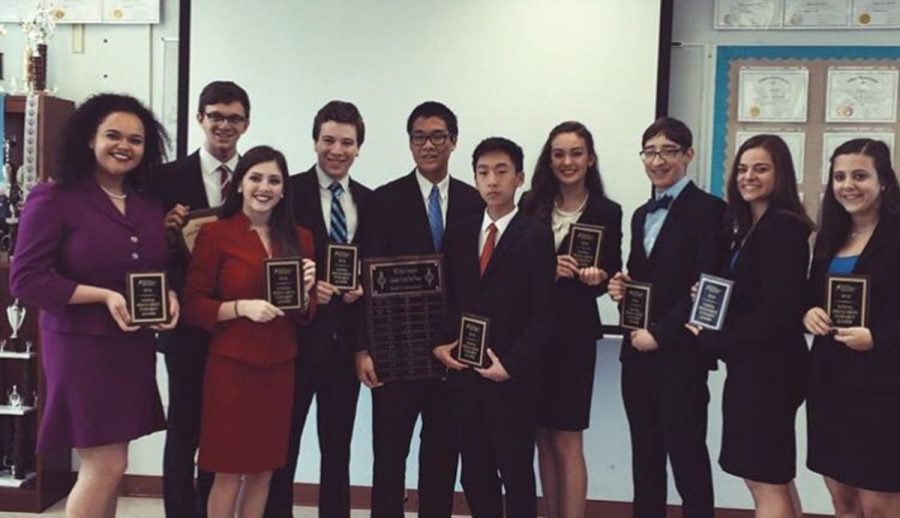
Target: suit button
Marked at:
134, 239
135, 256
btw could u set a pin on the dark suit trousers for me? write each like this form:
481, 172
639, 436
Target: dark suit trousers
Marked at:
667, 412
185, 364
496, 423
395, 409
333, 383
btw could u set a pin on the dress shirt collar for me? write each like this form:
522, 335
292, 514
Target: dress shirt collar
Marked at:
501, 223
425, 186
675, 189
325, 181
210, 164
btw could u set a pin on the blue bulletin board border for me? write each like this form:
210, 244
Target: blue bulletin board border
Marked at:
727, 53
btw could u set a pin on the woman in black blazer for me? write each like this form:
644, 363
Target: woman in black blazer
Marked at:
853, 407
566, 188
762, 342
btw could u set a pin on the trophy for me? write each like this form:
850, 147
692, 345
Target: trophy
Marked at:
13, 197
13, 398
15, 315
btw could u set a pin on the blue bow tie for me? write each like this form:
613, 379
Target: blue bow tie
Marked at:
659, 204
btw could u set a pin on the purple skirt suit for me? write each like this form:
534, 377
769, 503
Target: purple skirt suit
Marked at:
101, 381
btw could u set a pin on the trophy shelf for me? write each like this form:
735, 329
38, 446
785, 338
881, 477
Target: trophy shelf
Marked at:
28, 482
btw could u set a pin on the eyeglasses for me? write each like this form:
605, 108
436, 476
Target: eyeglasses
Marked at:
218, 118
418, 139
666, 153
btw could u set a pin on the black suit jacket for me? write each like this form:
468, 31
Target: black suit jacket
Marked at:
400, 221
574, 302
180, 182
764, 322
335, 318
878, 369
515, 293
688, 244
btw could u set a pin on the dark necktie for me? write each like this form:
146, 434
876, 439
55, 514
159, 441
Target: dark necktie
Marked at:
224, 181
659, 204
436, 218
338, 218
490, 241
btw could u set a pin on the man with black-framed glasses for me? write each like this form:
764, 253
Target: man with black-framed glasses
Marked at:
675, 236
408, 216
198, 181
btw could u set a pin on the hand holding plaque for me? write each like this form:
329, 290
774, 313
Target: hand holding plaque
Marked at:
342, 266
635, 310
147, 298
584, 244
187, 235
284, 283
472, 345
711, 302
847, 301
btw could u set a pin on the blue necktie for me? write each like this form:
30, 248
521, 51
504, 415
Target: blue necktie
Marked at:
338, 232
436, 218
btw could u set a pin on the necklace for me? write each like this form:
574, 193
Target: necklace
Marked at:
558, 206
113, 195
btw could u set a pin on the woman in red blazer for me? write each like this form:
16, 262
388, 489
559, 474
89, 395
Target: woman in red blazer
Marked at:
249, 378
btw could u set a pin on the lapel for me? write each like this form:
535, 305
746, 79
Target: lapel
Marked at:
640, 255
507, 242
676, 211
880, 236
312, 200
420, 221
193, 178
96, 197
356, 191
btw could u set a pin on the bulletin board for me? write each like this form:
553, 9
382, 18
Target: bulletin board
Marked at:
814, 97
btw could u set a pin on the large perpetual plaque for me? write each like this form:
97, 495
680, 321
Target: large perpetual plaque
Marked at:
405, 302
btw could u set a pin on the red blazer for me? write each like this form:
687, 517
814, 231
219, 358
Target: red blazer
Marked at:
227, 264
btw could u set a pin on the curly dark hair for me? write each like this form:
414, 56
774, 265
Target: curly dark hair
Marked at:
538, 202
835, 221
281, 222
75, 159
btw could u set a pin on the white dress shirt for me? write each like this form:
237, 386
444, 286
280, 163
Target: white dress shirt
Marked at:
209, 166
425, 186
347, 203
501, 225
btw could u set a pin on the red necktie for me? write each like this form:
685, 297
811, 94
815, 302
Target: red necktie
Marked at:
224, 181
489, 243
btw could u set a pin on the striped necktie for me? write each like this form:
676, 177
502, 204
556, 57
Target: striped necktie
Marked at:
436, 218
224, 182
338, 232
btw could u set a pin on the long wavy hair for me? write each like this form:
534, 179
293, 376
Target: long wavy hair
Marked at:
835, 221
784, 198
75, 159
282, 228
538, 202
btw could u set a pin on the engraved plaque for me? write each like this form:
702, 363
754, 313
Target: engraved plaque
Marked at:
472, 346
848, 300
405, 302
284, 283
635, 310
342, 270
148, 298
711, 302
584, 244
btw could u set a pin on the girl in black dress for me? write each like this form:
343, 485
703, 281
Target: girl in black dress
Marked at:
565, 189
762, 342
853, 406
